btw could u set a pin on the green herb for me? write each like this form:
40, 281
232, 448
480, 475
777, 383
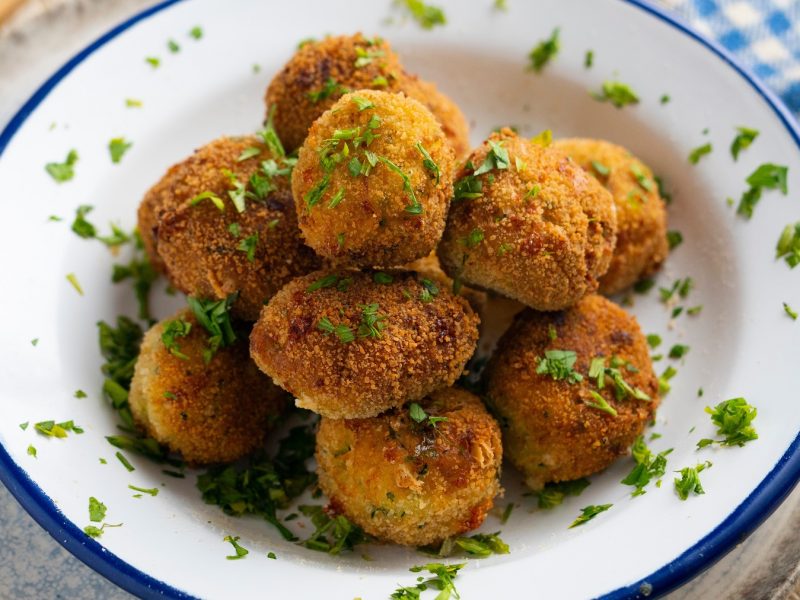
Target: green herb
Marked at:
207, 195
332, 534
769, 176
24, 425
589, 512
371, 322
733, 419
544, 52
500, 5
150, 491
84, 229
271, 555
313, 196
663, 380
414, 208
619, 94
507, 513
674, 239
429, 290
699, 152
681, 287
496, 158
600, 168
380, 81
153, 61
664, 99
588, 59
427, 15
362, 103
343, 332
57, 430
644, 182
31, 450
598, 371
173, 46
558, 364
428, 162
125, 463
133, 103
234, 229
327, 281
689, 480
337, 198
248, 152
365, 57
442, 580
467, 188
330, 88
65, 171
214, 316
600, 403
382, 278
117, 147
174, 329
474, 238
654, 340
97, 510
270, 137
678, 351
743, 139
92, 531
196, 32
648, 466
248, 246
788, 246
788, 310
142, 275
418, 415
643, 285
544, 138
480, 545
79, 394
240, 551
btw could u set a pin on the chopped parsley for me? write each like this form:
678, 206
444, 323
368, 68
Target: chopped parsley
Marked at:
789, 311
248, 152
382, 278
57, 430
332, 534
743, 139
678, 351
619, 94
689, 481
133, 103
496, 158
733, 419
419, 416
553, 494
653, 340
588, 513
648, 466
588, 59
544, 52
141, 273
362, 103
674, 239
600, 168
663, 381
150, 491
117, 147
65, 171
86, 230
240, 551
426, 15
172, 330
681, 287
343, 332
598, 371
696, 154
125, 463
173, 46
442, 580
79, 394
248, 246
474, 238
480, 545
215, 318
32, 450
767, 176
428, 162
544, 138
788, 246
600, 403
328, 281
365, 57
558, 364
211, 197
24, 425
97, 510
330, 88
372, 324
414, 207
664, 99
153, 61
196, 32
468, 187
429, 290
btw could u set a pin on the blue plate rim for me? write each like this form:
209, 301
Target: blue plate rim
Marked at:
761, 502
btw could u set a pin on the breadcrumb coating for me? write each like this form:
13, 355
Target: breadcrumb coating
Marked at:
549, 431
417, 342
209, 413
410, 483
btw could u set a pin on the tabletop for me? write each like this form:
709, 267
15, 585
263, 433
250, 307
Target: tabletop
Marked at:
764, 34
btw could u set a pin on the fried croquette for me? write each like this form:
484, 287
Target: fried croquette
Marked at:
528, 223
554, 382
373, 181
322, 71
209, 247
408, 482
641, 214
213, 412
352, 345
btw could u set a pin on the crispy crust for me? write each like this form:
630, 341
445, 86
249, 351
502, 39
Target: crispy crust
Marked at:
372, 217
408, 483
423, 347
549, 433
199, 254
217, 412
546, 251
641, 214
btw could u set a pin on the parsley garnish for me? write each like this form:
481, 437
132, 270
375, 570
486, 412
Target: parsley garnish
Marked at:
689, 480
342, 331
678, 351
600, 168
600, 403
57, 430
329, 88
117, 147
140, 272
428, 162
644, 182
196, 32
733, 419
32, 450
474, 238
73, 281
332, 534
743, 139
664, 99
313, 196
150, 491
598, 371
429, 290
766, 176
544, 52
467, 188
674, 239
653, 340
365, 57
553, 494
270, 137
125, 463
153, 61
588, 59
479, 545
588, 513
442, 580
65, 171
174, 329
619, 94
323, 282
427, 15
544, 138
418, 415
371, 322
558, 364
133, 103
173, 46
210, 196
647, 467
240, 551
382, 278
248, 245
789, 311
215, 318
788, 246
86, 230
248, 152
699, 152
496, 158
97, 510
414, 208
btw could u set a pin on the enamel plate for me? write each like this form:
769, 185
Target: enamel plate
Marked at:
742, 343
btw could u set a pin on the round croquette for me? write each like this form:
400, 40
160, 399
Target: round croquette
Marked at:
322, 71
211, 253
528, 223
213, 412
408, 482
641, 213
352, 345
373, 181
551, 431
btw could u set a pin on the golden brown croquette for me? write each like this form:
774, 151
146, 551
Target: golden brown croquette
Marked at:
413, 483
373, 181
551, 431
213, 412
528, 223
350, 345
320, 72
641, 213
211, 253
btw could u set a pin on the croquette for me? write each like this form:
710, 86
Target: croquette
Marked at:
409, 482
209, 247
541, 386
350, 345
373, 181
322, 71
209, 412
527, 222
641, 213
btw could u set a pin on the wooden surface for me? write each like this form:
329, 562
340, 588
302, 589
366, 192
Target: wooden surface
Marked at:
764, 566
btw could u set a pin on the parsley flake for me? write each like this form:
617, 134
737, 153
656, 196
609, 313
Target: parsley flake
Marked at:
196, 32
150, 491
65, 171
496, 158
332, 534
544, 52
588, 513
240, 551
733, 419
558, 364
174, 329
689, 480
343, 332
248, 246
696, 154
73, 280
426, 15
743, 139
788, 246
429, 163
442, 580
789, 311
619, 94
215, 318
97, 510
372, 324
648, 466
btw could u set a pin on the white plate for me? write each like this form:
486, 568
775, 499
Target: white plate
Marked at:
742, 345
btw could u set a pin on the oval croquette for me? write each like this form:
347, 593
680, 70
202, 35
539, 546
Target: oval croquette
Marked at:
373, 181
348, 346
413, 483
528, 223
641, 214
550, 430
213, 412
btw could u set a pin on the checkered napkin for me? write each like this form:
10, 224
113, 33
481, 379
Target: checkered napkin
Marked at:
763, 34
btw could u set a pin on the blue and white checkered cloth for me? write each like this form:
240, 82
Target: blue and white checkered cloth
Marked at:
763, 34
